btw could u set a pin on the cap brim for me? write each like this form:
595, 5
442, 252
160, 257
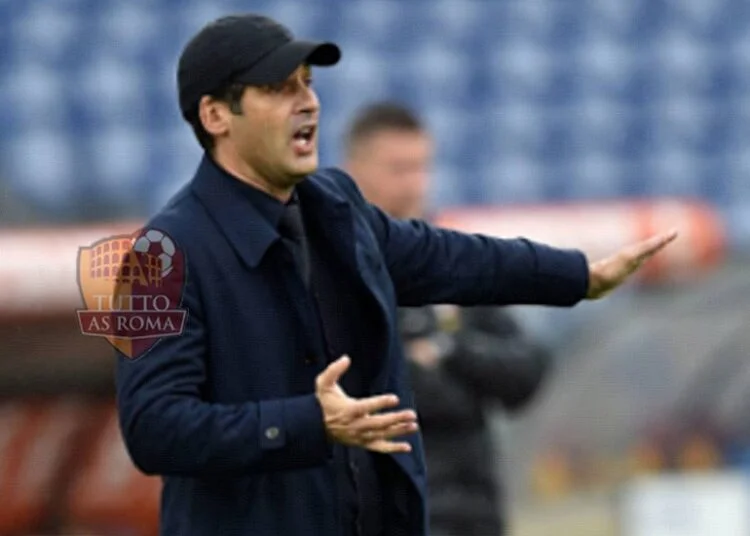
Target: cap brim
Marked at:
279, 64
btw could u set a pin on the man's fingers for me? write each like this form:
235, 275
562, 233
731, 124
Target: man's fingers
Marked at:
662, 241
648, 248
609, 273
392, 432
379, 424
373, 404
333, 372
388, 447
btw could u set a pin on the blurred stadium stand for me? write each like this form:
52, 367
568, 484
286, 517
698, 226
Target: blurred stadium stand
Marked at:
542, 109
532, 100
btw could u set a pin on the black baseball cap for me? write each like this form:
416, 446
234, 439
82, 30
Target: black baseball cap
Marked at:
247, 49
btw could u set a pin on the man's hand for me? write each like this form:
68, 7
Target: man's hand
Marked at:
608, 274
357, 422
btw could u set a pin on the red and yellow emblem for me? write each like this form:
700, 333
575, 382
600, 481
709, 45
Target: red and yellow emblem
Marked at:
132, 288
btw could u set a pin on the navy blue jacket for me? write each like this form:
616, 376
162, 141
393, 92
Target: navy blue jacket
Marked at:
226, 411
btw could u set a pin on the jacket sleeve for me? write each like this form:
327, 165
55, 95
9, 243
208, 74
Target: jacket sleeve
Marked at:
495, 360
170, 428
429, 265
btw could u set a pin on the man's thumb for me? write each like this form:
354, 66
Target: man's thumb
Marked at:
334, 371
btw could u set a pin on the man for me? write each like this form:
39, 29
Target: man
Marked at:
258, 422
461, 363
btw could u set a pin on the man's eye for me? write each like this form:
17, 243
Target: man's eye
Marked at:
308, 82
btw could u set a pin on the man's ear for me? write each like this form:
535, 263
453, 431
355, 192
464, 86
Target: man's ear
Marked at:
214, 115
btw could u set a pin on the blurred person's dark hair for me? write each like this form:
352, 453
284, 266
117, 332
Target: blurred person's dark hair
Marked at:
377, 117
232, 95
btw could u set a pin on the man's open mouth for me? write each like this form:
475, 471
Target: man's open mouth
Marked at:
304, 137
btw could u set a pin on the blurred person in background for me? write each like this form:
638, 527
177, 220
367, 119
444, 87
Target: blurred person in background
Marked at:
464, 362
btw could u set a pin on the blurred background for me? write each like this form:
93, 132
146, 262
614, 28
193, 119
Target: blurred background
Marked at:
580, 123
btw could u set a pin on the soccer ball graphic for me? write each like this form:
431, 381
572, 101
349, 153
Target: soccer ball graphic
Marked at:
160, 246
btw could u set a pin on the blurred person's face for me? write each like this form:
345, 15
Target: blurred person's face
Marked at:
272, 140
392, 168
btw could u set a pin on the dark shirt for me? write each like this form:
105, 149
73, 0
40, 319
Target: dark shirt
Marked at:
358, 484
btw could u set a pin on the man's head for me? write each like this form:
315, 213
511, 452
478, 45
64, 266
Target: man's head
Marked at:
389, 154
244, 87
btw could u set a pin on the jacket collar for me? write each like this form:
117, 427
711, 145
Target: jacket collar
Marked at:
249, 228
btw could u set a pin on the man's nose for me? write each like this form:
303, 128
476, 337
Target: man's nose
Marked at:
310, 103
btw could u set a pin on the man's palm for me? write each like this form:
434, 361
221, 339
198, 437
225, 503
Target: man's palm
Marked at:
362, 422
608, 274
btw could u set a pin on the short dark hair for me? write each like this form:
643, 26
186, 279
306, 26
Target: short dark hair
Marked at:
380, 116
232, 95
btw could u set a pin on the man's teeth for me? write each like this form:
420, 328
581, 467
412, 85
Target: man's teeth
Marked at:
305, 133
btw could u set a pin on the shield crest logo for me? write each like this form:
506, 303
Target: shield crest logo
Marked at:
132, 287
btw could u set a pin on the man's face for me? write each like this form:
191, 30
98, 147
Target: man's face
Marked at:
392, 167
276, 135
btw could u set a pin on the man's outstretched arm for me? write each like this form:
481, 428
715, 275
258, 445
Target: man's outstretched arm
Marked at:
432, 265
